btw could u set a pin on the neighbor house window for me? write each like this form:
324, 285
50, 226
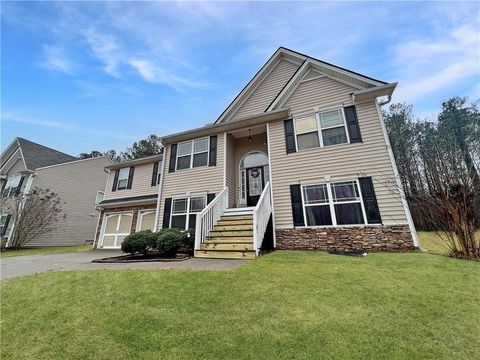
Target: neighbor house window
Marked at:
123, 178
321, 129
3, 223
336, 203
11, 186
99, 198
185, 210
159, 173
192, 153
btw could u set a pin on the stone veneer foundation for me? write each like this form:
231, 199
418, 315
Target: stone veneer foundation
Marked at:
368, 238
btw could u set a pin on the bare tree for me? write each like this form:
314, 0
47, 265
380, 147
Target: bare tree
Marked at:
33, 214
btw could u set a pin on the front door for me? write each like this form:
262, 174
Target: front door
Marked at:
254, 185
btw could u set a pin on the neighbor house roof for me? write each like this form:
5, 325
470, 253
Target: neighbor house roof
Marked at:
144, 160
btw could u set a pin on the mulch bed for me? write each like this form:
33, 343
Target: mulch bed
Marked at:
142, 258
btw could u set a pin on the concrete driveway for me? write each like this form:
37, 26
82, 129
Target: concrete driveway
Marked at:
29, 265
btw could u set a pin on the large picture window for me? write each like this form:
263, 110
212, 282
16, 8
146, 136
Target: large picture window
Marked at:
321, 129
192, 153
338, 203
185, 210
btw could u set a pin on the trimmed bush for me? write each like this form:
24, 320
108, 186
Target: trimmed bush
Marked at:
139, 243
170, 240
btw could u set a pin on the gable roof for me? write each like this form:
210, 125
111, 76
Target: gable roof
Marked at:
303, 63
35, 155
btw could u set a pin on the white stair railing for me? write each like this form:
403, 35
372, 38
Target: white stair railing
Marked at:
209, 217
261, 216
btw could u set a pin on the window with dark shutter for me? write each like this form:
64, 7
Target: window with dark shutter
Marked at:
4, 226
115, 180
173, 158
289, 136
155, 174
213, 151
297, 208
166, 213
19, 186
130, 177
210, 198
370, 200
352, 124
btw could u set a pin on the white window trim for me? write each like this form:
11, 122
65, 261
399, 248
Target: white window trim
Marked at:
192, 153
159, 172
119, 178
187, 213
10, 188
140, 216
331, 203
319, 130
116, 234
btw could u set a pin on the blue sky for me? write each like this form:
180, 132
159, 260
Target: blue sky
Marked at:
79, 76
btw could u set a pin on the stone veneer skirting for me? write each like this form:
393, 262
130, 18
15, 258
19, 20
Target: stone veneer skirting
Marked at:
368, 238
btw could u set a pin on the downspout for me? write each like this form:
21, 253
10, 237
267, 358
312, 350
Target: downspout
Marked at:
160, 186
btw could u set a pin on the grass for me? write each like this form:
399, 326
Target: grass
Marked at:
45, 250
434, 243
285, 305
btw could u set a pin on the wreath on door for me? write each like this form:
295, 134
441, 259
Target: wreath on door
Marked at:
255, 173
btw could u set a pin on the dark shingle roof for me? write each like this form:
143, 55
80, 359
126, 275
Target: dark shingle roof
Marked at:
36, 155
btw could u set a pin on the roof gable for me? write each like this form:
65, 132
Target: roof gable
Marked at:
281, 87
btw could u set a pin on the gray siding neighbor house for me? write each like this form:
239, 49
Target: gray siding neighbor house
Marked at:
26, 165
299, 160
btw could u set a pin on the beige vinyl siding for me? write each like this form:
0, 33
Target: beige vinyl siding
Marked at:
204, 179
231, 172
16, 168
341, 162
77, 184
242, 148
264, 94
141, 185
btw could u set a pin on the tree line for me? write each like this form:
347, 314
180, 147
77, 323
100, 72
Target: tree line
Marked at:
439, 163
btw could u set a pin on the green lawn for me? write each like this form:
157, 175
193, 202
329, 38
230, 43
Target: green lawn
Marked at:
285, 305
45, 250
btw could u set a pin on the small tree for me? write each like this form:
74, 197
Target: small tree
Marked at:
35, 213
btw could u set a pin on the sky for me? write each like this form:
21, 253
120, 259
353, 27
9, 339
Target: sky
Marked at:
82, 76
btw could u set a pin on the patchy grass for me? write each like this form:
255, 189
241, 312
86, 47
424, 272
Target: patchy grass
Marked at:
285, 305
45, 250
434, 243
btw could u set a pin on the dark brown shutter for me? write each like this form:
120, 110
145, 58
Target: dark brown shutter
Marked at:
213, 151
115, 180
166, 213
173, 158
290, 136
297, 206
19, 187
5, 226
352, 124
155, 174
210, 198
370, 200
4, 183
130, 177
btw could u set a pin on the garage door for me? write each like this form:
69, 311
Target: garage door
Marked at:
117, 227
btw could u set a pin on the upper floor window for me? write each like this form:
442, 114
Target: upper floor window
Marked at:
321, 129
12, 186
123, 178
192, 153
338, 203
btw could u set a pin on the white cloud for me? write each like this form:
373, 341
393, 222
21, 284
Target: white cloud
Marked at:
105, 47
55, 59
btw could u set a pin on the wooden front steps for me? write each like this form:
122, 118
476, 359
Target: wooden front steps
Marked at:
231, 237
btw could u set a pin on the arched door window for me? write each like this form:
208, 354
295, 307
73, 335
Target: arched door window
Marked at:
254, 174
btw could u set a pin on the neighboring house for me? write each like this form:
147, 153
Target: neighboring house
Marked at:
26, 165
130, 200
299, 160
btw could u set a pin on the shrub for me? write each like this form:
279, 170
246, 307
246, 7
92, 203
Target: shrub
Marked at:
139, 242
170, 240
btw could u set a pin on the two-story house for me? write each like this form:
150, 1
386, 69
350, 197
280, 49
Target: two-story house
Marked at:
26, 165
299, 160
130, 202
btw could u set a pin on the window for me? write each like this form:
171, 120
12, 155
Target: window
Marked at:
184, 212
192, 154
146, 220
11, 186
123, 178
337, 203
99, 198
321, 129
3, 221
159, 172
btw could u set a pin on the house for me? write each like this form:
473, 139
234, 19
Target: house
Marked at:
26, 165
299, 160
130, 201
